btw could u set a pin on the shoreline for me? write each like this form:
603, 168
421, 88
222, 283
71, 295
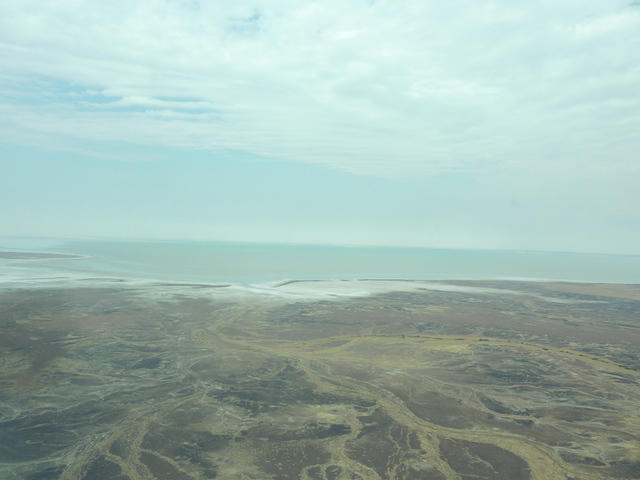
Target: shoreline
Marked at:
22, 271
312, 290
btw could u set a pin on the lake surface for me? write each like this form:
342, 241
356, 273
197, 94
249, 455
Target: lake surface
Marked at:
245, 263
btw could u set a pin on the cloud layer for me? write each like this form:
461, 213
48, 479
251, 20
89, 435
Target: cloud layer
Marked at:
372, 87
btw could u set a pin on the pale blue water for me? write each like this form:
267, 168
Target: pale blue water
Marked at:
256, 263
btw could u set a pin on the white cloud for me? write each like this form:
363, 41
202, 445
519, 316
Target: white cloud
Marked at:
384, 88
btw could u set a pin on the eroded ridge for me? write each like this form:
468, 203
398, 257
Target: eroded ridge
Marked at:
118, 383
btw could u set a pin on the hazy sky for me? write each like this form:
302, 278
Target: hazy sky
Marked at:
462, 124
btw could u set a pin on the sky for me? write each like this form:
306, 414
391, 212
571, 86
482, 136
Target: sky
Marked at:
461, 124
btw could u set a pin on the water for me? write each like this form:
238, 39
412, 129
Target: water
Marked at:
244, 263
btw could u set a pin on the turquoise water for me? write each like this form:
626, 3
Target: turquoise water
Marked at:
254, 263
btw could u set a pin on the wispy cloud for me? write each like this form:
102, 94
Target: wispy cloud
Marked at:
383, 88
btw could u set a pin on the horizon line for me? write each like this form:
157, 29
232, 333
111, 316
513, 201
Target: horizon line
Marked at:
308, 244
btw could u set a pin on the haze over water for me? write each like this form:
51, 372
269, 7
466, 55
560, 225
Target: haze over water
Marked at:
246, 263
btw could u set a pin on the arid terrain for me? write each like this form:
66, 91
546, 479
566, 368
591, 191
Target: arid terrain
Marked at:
465, 380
